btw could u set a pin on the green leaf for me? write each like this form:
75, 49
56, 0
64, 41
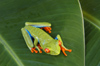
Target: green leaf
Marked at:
66, 19
91, 12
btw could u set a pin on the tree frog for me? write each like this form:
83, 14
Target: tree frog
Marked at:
37, 39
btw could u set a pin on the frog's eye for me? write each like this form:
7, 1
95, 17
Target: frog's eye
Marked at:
59, 43
47, 50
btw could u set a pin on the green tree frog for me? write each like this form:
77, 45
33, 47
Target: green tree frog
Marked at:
37, 39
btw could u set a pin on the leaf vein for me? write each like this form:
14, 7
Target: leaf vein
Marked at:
10, 51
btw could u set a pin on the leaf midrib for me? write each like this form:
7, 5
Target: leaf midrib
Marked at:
10, 51
94, 21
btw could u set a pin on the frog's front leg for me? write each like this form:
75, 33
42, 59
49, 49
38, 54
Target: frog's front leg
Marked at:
43, 25
33, 49
63, 48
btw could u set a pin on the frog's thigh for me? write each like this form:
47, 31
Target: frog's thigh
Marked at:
38, 24
27, 38
59, 38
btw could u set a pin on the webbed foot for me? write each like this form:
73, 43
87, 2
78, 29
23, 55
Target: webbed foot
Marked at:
42, 25
34, 50
63, 48
48, 29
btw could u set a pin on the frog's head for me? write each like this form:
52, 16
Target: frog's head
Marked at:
52, 47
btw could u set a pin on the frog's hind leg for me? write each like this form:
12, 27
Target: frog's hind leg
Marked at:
36, 45
43, 25
29, 40
63, 48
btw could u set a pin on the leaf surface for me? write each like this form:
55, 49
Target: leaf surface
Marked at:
66, 19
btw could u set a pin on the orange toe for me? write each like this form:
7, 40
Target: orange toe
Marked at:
63, 50
40, 51
48, 29
33, 50
70, 50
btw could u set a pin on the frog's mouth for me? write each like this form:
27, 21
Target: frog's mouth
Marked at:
55, 53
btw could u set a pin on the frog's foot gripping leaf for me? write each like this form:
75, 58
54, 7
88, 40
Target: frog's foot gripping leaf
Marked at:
38, 47
42, 25
48, 29
63, 48
34, 50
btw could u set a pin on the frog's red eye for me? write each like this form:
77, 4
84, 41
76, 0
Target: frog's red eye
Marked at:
59, 43
47, 50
